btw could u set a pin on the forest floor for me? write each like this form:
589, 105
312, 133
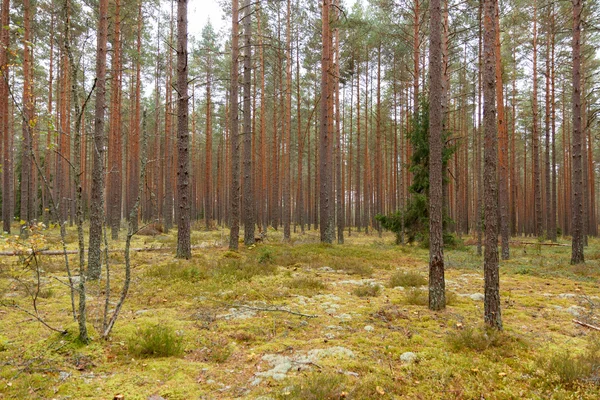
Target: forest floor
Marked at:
305, 321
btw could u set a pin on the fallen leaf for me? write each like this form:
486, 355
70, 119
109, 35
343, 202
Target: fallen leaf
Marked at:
380, 390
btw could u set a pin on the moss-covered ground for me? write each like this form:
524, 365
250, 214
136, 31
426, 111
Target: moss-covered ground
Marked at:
223, 312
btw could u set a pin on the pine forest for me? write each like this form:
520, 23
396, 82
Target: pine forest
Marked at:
299, 199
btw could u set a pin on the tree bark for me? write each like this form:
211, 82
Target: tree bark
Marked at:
492, 314
184, 249
234, 130
99, 146
437, 296
577, 256
325, 200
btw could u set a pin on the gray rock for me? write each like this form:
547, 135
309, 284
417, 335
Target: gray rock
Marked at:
477, 296
326, 269
408, 358
238, 313
344, 317
369, 328
575, 311
156, 397
281, 365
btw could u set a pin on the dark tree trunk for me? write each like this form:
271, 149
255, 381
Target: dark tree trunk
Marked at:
577, 177
99, 146
325, 172
234, 131
492, 315
184, 247
437, 296
248, 192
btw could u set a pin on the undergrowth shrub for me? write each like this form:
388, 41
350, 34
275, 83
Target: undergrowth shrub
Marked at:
407, 279
367, 290
478, 339
568, 368
156, 341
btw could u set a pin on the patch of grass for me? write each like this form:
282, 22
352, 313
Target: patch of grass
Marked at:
367, 290
407, 279
352, 266
46, 293
305, 283
317, 386
236, 270
417, 297
232, 254
478, 339
178, 271
156, 341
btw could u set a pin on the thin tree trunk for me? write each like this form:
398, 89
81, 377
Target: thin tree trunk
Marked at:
234, 131
99, 145
248, 192
577, 256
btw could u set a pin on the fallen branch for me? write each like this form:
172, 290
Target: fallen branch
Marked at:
268, 309
596, 328
538, 243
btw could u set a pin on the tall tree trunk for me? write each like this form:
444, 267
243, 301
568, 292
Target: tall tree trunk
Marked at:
208, 195
287, 198
503, 142
537, 175
553, 212
577, 256
26, 212
437, 296
114, 141
248, 192
338, 144
184, 247
492, 315
99, 146
325, 167
234, 130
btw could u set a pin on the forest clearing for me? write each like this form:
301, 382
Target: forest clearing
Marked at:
307, 321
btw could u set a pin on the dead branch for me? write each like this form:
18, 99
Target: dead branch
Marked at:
596, 328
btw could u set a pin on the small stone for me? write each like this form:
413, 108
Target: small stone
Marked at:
344, 317
140, 312
477, 297
331, 310
329, 336
326, 269
369, 328
408, 358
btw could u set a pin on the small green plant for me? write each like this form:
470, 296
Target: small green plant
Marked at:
367, 290
219, 351
265, 256
407, 279
156, 341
